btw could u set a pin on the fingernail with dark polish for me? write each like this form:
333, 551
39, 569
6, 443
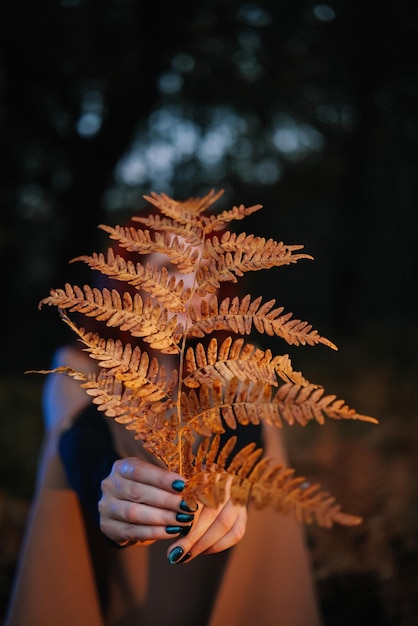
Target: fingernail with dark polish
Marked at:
173, 530
185, 507
185, 558
178, 485
175, 555
185, 530
184, 517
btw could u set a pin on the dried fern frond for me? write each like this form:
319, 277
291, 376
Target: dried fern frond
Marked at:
186, 212
165, 224
179, 412
154, 280
184, 257
143, 411
257, 252
234, 359
258, 481
241, 315
226, 267
141, 318
68, 371
214, 223
219, 402
302, 403
285, 371
134, 240
120, 357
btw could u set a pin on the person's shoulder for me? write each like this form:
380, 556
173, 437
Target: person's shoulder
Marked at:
63, 397
72, 356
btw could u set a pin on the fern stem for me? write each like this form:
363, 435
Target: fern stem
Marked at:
183, 352
179, 417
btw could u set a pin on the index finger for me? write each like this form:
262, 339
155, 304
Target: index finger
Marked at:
140, 471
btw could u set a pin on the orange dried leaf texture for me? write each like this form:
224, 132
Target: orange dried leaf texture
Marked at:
182, 368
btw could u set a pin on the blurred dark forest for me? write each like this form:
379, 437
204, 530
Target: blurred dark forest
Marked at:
310, 109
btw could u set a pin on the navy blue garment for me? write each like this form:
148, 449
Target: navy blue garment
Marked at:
88, 453
245, 435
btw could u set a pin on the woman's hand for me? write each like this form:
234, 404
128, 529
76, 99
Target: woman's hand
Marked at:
213, 530
141, 503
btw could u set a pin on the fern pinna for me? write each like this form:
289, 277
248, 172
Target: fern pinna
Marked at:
180, 413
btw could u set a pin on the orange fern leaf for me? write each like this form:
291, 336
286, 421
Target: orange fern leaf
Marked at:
68, 371
241, 315
125, 404
140, 318
244, 402
179, 414
192, 236
155, 281
216, 403
132, 239
256, 252
225, 267
257, 481
234, 359
214, 223
186, 212
283, 367
132, 366
184, 257
301, 404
